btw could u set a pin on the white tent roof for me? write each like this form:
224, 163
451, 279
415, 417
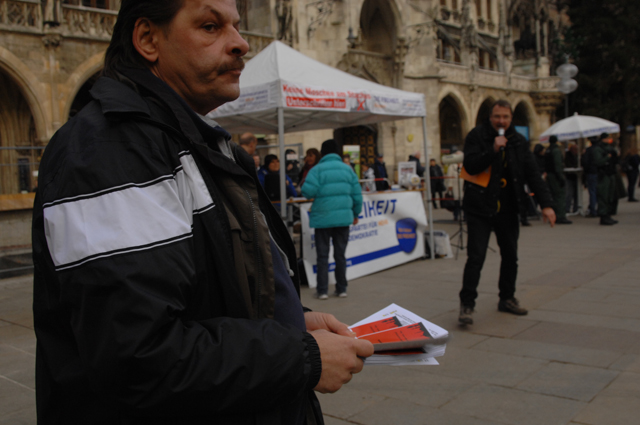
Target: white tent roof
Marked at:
312, 95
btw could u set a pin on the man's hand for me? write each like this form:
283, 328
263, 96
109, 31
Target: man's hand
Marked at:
355, 221
549, 215
499, 142
328, 322
341, 357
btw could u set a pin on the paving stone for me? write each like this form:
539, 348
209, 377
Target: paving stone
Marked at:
551, 352
592, 308
25, 416
628, 362
328, 420
15, 397
576, 382
349, 400
580, 336
414, 384
511, 406
561, 278
616, 405
481, 366
621, 323
406, 413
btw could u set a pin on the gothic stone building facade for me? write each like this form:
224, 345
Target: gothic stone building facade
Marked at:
462, 54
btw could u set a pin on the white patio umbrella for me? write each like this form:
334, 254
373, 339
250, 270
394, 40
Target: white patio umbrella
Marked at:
578, 127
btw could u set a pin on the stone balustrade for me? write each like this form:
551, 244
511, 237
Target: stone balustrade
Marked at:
86, 22
21, 15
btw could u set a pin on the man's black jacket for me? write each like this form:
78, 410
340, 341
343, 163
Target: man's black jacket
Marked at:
479, 155
137, 308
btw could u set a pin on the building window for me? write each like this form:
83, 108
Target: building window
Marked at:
489, 10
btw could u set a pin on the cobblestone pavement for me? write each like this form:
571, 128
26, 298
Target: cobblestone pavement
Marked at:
575, 359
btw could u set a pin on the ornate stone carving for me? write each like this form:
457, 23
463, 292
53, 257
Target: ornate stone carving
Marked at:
52, 40
320, 10
90, 23
546, 102
369, 65
20, 15
285, 21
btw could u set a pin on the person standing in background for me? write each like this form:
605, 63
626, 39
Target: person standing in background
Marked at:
437, 182
631, 162
571, 161
337, 202
249, 143
310, 160
556, 181
419, 167
380, 171
591, 177
604, 157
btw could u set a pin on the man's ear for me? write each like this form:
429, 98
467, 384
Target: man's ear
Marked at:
145, 39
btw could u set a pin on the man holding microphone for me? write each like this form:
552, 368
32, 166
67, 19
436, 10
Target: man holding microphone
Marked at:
493, 203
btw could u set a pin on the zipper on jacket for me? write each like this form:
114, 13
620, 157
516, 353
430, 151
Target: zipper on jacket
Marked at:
256, 246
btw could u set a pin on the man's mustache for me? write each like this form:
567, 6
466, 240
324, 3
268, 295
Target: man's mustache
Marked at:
237, 64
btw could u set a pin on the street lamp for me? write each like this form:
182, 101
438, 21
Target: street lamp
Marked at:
567, 84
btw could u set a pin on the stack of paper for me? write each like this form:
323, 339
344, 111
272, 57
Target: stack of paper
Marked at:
401, 337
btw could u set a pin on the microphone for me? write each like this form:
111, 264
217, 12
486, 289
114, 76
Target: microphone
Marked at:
501, 133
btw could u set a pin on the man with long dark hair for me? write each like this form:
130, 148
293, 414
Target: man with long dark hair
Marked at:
166, 288
494, 205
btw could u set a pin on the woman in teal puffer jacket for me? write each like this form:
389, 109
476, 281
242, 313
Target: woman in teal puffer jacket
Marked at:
337, 202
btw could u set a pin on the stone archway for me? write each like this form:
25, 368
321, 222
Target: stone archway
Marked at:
521, 120
379, 52
17, 130
484, 112
451, 131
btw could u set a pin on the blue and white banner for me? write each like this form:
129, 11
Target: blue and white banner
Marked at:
390, 232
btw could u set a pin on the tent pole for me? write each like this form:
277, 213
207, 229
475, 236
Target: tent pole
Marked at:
283, 165
427, 192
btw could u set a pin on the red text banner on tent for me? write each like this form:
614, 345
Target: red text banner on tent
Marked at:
306, 102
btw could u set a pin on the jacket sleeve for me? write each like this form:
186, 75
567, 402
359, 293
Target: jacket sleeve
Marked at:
477, 157
356, 195
311, 184
126, 298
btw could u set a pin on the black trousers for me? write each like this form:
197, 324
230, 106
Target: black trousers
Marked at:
507, 229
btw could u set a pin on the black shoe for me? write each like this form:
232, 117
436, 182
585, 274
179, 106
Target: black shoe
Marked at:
591, 215
633, 200
511, 306
606, 220
525, 223
563, 221
466, 315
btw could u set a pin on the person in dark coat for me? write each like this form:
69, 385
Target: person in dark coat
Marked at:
494, 147
437, 182
166, 288
631, 162
380, 171
605, 159
591, 177
419, 167
571, 161
556, 181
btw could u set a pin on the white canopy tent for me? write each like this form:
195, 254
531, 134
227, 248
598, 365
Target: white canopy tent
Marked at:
283, 91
